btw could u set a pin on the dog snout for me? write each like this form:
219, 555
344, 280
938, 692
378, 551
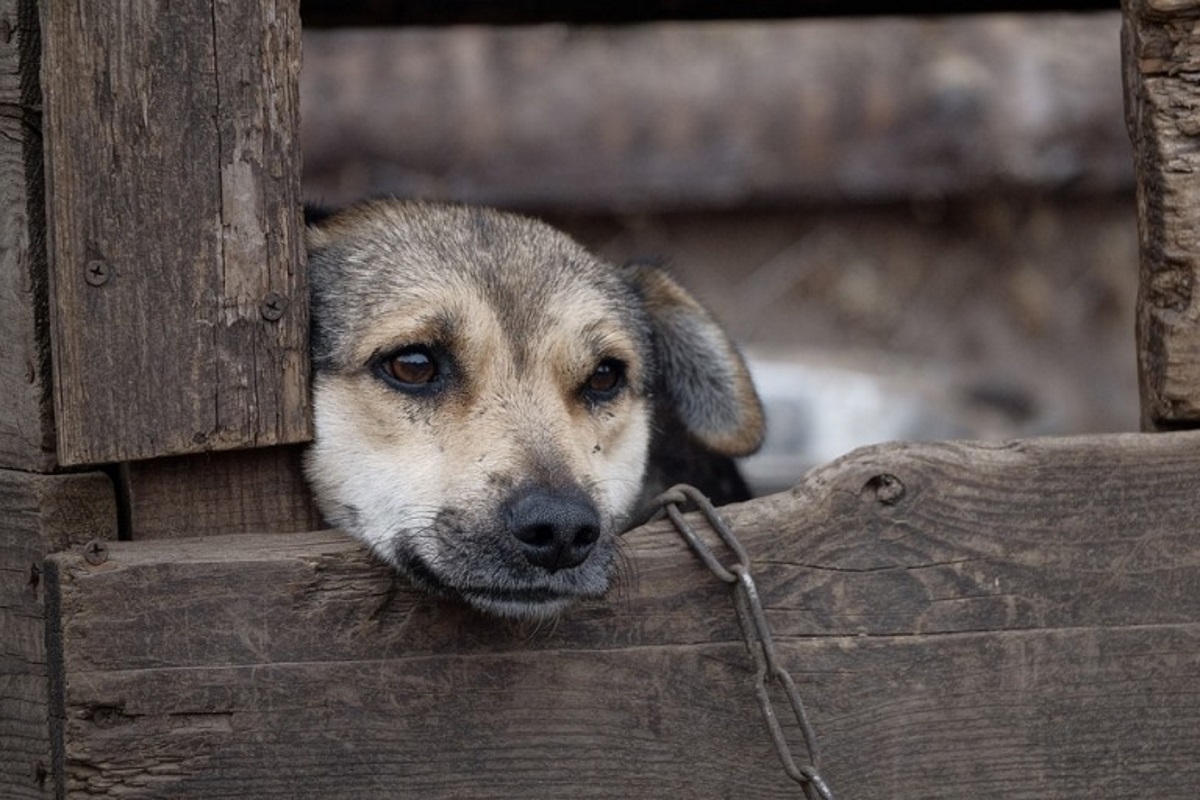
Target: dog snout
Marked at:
555, 529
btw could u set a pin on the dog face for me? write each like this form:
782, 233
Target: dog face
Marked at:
485, 392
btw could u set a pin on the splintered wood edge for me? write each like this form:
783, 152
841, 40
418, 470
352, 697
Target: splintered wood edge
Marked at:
1158, 46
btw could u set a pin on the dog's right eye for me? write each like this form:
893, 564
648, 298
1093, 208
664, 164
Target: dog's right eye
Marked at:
413, 369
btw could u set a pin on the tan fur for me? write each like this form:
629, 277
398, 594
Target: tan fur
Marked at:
519, 317
665, 298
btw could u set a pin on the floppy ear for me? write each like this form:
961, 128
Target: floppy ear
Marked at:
701, 373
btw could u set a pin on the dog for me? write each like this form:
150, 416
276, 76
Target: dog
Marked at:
494, 405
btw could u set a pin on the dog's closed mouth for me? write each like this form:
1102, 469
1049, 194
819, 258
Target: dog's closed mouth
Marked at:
507, 600
523, 604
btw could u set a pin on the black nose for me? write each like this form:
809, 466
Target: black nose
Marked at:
555, 528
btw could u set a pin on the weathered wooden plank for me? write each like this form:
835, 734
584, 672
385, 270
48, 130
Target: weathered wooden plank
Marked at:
1034, 534
38, 514
1032, 714
524, 12
1161, 44
240, 491
179, 310
1011, 620
666, 117
26, 415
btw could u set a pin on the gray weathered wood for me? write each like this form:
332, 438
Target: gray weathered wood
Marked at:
525, 12
1161, 42
26, 413
172, 170
241, 491
1012, 620
1028, 715
38, 515
658, 117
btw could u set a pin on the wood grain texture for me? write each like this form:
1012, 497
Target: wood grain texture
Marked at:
525, 12
1161, 44
38, 515
27, 413
715, 117
172, 169
240, 491
1011, 620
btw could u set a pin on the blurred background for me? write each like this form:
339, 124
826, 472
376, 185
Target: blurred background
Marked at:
918, 228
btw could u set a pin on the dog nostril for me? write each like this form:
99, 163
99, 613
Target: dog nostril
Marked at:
555, 529
587, 535
536, 535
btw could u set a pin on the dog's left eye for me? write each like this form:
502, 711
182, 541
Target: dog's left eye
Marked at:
606, 381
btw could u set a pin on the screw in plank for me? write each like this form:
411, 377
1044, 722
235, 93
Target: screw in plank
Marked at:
888, 489
273, 306
95, 552
97, 272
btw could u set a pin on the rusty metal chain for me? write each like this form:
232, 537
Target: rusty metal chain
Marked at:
753, 622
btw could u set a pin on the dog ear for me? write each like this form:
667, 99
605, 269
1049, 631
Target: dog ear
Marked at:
702, 374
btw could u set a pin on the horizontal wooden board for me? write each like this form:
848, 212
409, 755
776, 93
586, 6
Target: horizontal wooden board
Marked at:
664, 117
1013, 620
179, 313
239, 491
38, 515
524, 12
1033, 714
1162, 48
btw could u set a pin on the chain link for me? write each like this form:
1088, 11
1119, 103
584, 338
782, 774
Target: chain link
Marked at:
753, 622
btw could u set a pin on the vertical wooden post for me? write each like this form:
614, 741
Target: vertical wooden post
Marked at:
1161, 46
179, 305
26, 412
39, 515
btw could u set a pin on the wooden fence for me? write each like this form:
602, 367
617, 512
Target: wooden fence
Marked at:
1016, 620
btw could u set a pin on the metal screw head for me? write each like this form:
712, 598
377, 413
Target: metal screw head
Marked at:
95, 552
97, 272
273, 306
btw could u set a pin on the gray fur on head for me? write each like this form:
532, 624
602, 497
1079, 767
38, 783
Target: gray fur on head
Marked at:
494, 404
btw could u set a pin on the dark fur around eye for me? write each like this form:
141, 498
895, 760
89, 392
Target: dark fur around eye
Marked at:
605, 382
415, 369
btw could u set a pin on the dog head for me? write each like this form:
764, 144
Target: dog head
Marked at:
485, 392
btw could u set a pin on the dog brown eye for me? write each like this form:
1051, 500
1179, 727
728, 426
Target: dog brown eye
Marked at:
415, 367
412, 367
606, 381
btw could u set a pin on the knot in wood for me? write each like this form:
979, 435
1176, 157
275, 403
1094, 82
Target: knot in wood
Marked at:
886, 488
105, 716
